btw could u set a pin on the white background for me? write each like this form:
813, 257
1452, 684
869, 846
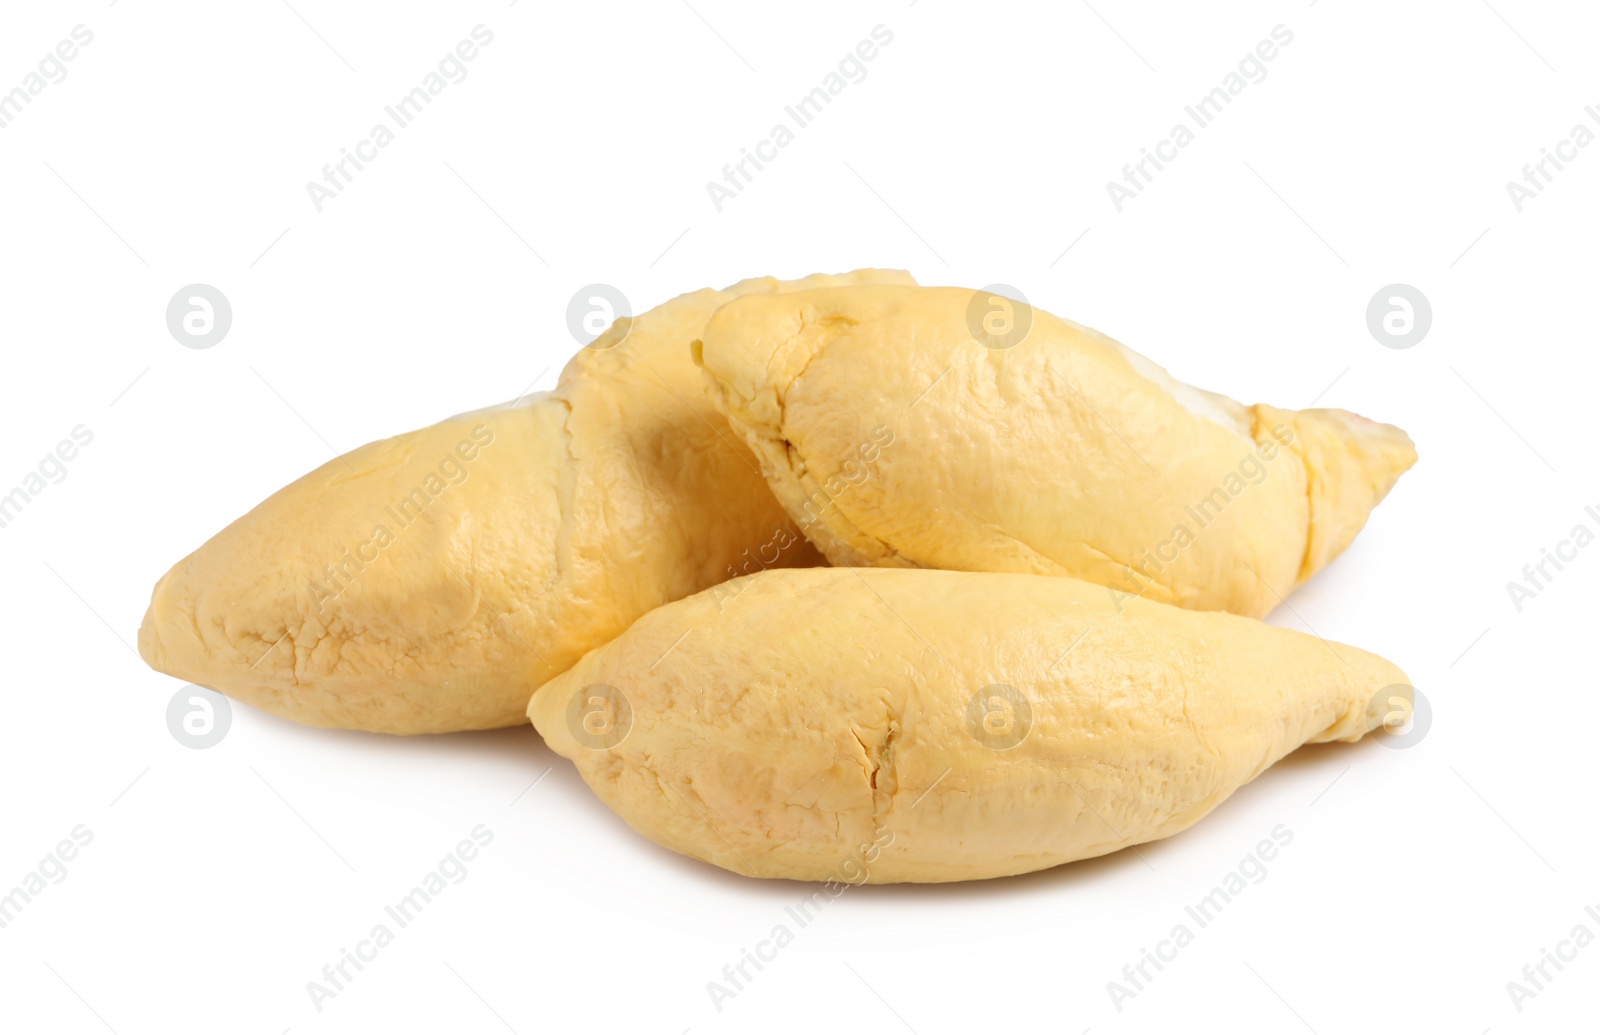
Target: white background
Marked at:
1377, 150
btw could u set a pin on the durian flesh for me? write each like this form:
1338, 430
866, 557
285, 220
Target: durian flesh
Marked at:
899, 434
902, 725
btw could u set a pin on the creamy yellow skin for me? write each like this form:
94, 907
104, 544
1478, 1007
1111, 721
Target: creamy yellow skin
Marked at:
896, 439
817, 724
578, 511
